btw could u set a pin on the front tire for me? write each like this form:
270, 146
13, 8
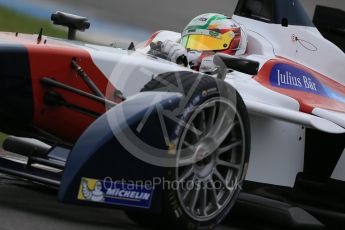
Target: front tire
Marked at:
212, 148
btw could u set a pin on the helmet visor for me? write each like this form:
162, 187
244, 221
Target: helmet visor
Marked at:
201, 42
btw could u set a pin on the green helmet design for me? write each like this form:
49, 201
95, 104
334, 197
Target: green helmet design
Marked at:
214, 32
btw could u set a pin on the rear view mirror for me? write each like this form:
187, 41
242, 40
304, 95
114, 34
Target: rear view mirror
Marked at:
73, 22
225, 62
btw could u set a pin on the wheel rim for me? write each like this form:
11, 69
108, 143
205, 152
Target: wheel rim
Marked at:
211, 159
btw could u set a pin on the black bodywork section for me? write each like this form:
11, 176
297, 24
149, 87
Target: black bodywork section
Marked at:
331, 23
314, 186
322, 153
314, 190
16, 96
274, 11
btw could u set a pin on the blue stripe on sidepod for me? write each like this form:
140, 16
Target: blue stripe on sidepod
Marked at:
289, 77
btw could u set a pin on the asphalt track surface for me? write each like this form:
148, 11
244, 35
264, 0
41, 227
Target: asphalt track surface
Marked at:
123, 21
28, 206
153, 15
25, 205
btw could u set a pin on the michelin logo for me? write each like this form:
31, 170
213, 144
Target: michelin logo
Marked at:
128, 194
107, 192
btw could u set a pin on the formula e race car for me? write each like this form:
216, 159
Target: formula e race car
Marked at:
120, 128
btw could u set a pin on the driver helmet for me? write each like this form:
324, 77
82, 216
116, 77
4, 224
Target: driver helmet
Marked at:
213, 33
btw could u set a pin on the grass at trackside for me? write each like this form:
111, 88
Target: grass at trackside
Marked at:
2, 138
11, 21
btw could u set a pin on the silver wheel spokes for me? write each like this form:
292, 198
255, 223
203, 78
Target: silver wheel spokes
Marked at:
211, 129
211, 160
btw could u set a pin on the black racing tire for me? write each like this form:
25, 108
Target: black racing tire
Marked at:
197, 89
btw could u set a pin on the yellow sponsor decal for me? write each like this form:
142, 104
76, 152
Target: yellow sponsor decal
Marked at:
91, 190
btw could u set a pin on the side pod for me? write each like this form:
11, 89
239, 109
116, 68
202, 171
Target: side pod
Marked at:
105, 158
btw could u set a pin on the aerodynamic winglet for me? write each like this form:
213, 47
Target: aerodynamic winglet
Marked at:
317, 122
336, 117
